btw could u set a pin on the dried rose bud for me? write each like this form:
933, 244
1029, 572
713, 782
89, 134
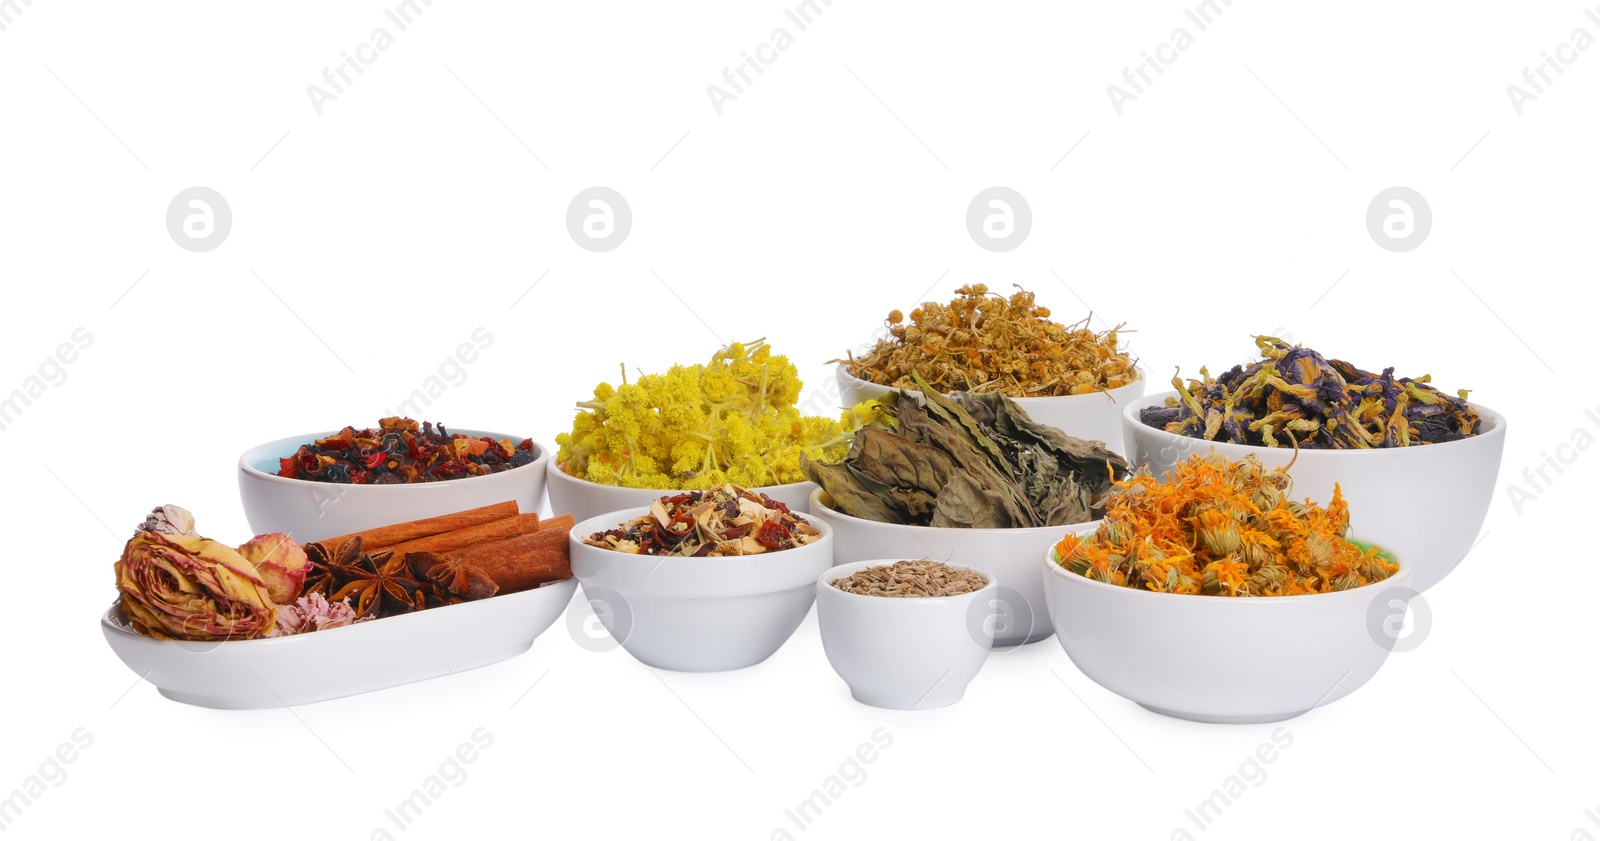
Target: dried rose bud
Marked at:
180, 586
280, 562
168, 519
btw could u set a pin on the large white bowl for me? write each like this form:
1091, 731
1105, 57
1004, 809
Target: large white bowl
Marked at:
698, 614
1010, 555
309, 511
337, 662
1093, 417
1225, 659
904, 654
584, 499
1425, 503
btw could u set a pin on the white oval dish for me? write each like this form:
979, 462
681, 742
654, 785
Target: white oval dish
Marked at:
309, 511
584, 499
1010, 555
1224, 659
339, 662
1424, 503
1093, 417
698, 614
905, 653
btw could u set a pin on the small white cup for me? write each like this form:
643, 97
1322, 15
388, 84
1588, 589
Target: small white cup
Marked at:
905, 653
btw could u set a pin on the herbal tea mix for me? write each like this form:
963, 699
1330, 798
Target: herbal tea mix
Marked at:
1222, 528
965, 461
1296, 397
923, 579
983, 342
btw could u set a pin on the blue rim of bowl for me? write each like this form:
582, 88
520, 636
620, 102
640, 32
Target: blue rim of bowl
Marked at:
1129, 415
1404, 571
541, 455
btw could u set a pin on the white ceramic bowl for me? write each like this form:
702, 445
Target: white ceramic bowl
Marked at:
1094, 417
338, 662
904, 654
1221, 659
1010, 555
1425, 503
698, 614
309, 511
584, 499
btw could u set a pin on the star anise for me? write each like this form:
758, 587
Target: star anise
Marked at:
452, 581
381, 585
331, 567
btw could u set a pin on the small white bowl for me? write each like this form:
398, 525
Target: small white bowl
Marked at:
698, 614
1224, 659
905, 654
584, 499
309, 511
1011, 555
1424, 503
1093, 417
338, 662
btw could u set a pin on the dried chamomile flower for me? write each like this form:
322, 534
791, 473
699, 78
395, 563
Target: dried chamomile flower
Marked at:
983, 342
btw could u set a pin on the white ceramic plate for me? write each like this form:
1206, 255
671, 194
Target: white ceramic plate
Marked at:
338, 662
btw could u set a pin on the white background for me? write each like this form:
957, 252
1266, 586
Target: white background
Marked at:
416, 208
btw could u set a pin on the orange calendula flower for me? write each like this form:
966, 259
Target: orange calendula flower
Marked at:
1222, 528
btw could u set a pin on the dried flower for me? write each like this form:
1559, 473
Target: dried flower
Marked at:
982, 342
168, 519
1296, 397
701, 426
183, 586
280, 562
1222, 528
313, 613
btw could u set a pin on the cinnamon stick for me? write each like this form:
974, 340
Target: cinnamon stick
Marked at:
386, 536
522, 562
451, 541
565, 522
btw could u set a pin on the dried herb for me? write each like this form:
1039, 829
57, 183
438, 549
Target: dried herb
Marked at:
400, 451
1222, 528
982, 342
924, 579
729, 520
381, 585
697, 427
451, 580
1296, 397
966, 461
